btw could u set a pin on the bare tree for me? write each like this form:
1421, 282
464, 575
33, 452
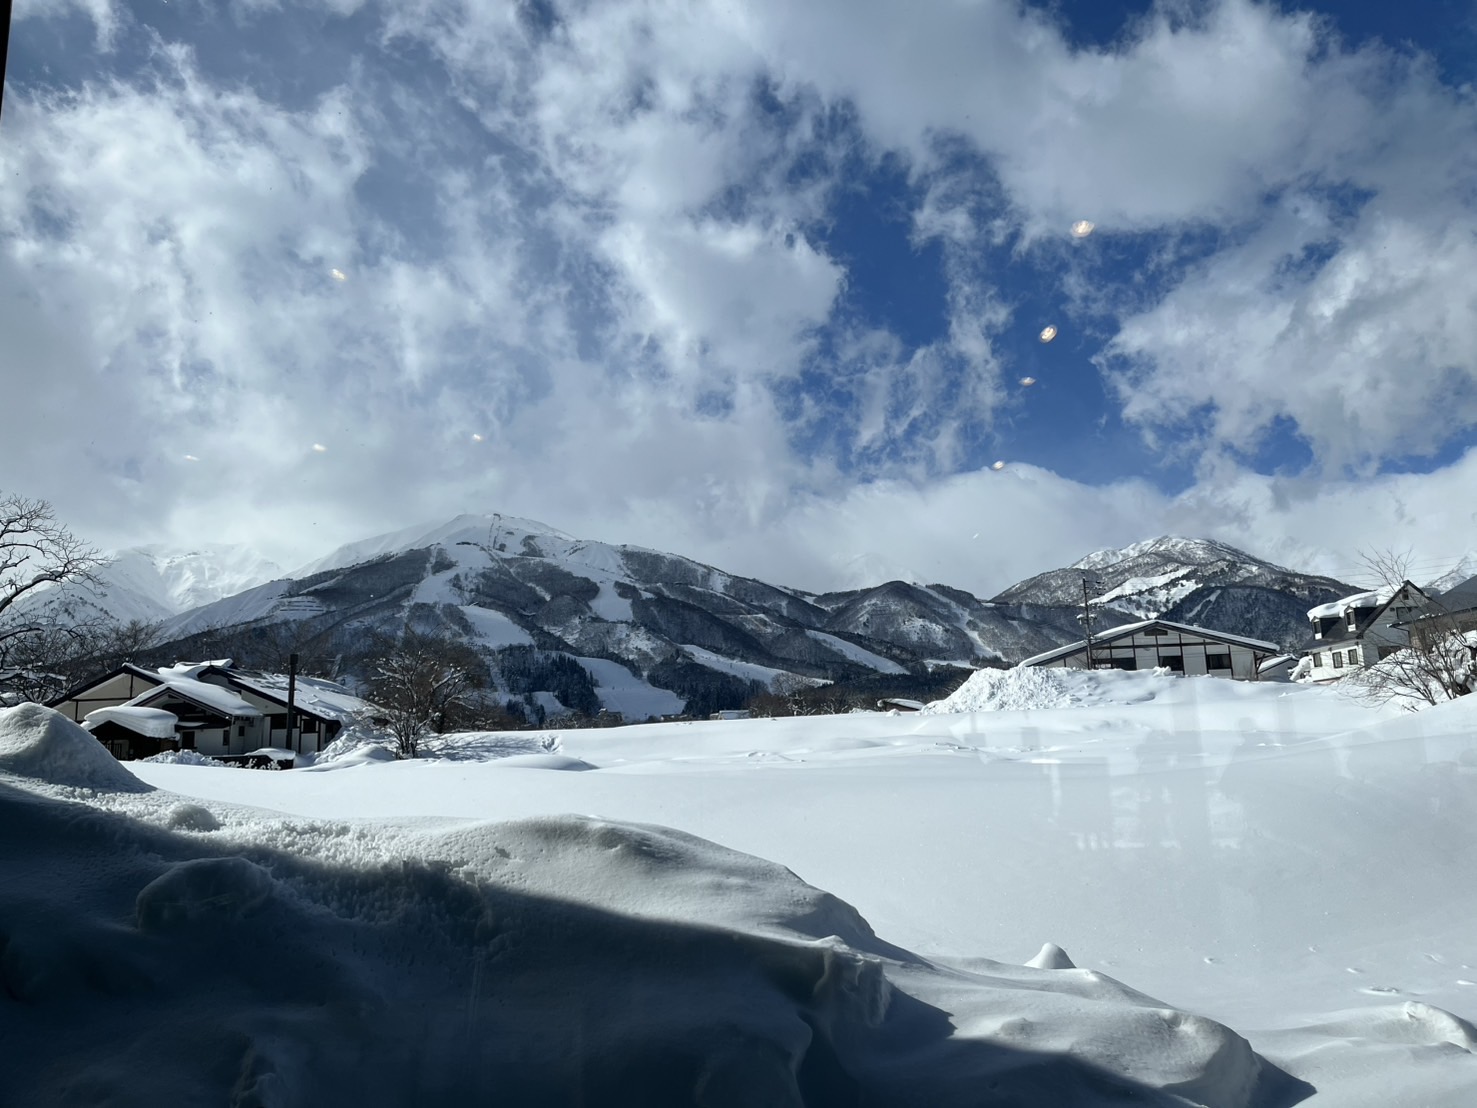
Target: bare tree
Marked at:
37, 554
1438, 661
421, 683
46, 664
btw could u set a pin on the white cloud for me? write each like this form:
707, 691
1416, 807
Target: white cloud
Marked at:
606, 279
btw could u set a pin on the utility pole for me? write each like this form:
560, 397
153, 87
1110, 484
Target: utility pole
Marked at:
292, 701
1087, 621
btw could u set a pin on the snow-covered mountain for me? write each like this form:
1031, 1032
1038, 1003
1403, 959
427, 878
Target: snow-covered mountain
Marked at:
566, 623
644, 630
1464, 570
153, 583
1198, 581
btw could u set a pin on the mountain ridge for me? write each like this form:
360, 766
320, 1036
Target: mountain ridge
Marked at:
635, 626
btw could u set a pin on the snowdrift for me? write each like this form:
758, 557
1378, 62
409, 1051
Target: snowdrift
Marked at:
155, 954
45, 746
1027, 687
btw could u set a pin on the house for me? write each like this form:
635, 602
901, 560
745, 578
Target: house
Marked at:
217, 709
1453, 610
1155, 643
1359, 630
1279, 668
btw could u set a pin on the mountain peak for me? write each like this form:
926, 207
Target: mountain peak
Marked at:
1171, 548
492, 530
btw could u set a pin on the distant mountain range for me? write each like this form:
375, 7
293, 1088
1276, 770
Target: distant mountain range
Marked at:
564, 623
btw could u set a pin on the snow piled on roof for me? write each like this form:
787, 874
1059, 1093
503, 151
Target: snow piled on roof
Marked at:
1370, 599
44, 746
201, 692
325, 699
155, 723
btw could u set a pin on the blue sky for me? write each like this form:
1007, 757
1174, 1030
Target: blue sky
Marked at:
756, 282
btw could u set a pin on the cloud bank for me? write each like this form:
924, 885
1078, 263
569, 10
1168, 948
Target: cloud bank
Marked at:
600, 264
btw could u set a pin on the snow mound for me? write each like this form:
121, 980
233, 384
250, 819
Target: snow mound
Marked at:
569, 960
1028, 687
657, 873
192, 817
1051, 956
46, 746
184, 758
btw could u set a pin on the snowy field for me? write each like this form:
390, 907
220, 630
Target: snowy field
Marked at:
1258, 895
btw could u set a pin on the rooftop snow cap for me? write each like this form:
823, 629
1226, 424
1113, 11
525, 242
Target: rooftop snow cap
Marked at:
46, 746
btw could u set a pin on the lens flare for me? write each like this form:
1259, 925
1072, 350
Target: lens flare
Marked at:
1082, 228
476, 437
1028, 381
191, 458
319, 448
1048, 333
338, 274
998, 466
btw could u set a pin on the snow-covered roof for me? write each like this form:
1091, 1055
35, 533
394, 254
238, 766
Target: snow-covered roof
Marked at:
1127, 629
153, 723
1337, 607
214, 697
192, 669
324, 699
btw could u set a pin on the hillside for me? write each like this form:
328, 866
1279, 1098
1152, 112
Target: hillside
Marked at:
564, 624
1197, 581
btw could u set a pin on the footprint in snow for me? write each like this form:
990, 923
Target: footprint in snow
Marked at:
1379, 990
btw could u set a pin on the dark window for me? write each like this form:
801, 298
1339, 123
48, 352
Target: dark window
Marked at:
187, 740
310, 725
1155, 631
1338, 659
241, 731
1353, 657
1175, 662
1217, 661
1122, 663
1317, 661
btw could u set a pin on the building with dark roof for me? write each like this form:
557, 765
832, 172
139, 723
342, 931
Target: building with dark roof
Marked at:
1162, 644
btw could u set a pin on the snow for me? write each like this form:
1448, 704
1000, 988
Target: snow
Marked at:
473, 529
912, 909
610, 605
622, 691
855, 653
202, 692
493, 629
36, 742
1023, 688
749, 671
252, 604
185, 758
325, 699
154, 723
1336, 609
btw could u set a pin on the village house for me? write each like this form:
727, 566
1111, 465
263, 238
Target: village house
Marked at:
209, 707
1453, 610
1158, 643
1359, 630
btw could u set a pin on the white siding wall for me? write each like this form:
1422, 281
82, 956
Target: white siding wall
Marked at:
1144, 651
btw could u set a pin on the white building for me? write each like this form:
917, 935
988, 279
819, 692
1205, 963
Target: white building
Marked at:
217, 709
1158, 643
1359, 630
